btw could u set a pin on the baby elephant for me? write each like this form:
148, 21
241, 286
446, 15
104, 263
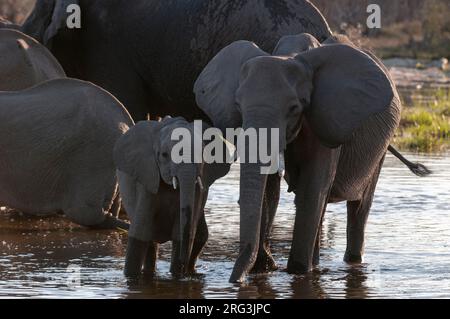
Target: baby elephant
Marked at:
56, 150
164, 200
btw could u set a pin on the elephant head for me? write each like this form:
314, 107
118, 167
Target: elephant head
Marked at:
24, 62
291, 45
335, 88
145, 153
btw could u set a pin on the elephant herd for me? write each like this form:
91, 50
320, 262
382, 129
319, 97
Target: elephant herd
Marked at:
69, 145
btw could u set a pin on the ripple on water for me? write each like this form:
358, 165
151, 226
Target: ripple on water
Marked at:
407, 250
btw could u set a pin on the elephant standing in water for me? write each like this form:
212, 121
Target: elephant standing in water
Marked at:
358, 210
56, 151
148, 53
336, 110
24, 62
158, 212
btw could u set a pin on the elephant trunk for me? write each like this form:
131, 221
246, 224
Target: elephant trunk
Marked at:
252, 188
187, 226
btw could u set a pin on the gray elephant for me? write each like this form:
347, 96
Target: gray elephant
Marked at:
158, 212
24, 62
336, 110
358, 210
148, 53
57, 141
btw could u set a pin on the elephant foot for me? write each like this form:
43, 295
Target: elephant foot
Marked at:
298, 268
136, 253
264, 263
111, 222
316, 260
353, 258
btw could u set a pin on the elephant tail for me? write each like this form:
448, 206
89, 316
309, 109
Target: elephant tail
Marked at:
417, 168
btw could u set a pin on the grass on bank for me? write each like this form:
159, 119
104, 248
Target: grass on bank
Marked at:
426, 127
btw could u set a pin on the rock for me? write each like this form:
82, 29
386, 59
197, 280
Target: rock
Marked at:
441, 64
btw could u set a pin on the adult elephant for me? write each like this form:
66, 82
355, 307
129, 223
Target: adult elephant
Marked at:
148, 53
336, 109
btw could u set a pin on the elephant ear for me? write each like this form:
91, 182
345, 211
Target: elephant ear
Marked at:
47, 19
348, 88
291, 45
216, 87
134, 154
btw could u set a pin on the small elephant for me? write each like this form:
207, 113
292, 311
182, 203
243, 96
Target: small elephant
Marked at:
56, 150
24, 62
158, 212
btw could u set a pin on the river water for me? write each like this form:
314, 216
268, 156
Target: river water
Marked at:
407, 250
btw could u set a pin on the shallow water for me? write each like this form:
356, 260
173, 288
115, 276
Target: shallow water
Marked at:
407, 250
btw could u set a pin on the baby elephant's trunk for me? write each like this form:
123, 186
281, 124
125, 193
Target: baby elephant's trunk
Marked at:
187, 226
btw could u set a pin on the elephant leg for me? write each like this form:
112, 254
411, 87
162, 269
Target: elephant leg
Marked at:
316, 256
201, 237
151, 258
318, 169
265, 261
357, 215
136, 256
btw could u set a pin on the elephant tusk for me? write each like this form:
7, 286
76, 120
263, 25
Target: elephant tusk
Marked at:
281, 165
200, 183
174, 183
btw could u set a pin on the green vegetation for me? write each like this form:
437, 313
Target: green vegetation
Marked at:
426, 127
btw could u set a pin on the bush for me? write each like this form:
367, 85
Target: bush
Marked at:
426, 128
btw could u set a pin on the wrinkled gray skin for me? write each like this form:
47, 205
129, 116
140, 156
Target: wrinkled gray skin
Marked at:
334, 152
56, 142
148, 53
24, 62
159, 212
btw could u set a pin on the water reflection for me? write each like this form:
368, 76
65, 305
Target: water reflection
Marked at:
407, 252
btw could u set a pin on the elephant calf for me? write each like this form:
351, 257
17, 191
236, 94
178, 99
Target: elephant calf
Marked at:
56, 150
164, 200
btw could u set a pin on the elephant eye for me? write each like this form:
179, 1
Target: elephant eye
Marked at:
293, 109
304, 102
165, 155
